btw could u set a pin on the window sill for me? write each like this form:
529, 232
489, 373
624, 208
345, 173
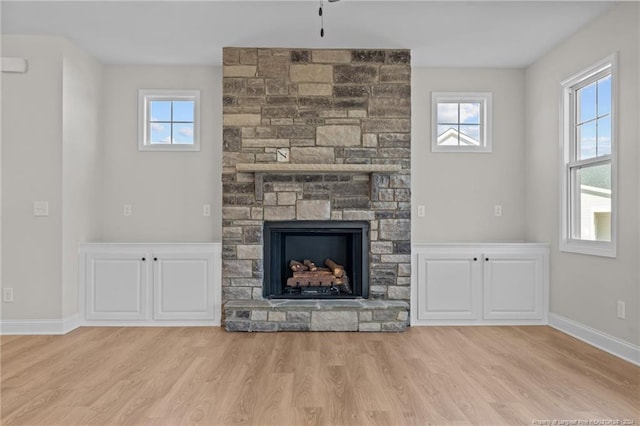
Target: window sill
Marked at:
458, 149
591, 248
169, 148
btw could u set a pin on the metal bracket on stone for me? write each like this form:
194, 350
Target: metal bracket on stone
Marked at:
259, 185
373, 193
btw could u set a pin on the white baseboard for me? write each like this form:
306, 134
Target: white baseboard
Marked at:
40, 326
64, 326
606, 342
150, 323
70, 323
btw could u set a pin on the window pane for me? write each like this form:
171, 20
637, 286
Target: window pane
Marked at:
587, 140
593, 203
587, 103
447, 113
160, 110
470, 135
604, 136
470, 113
183, 111
183, 133
604, 96
159, 133
447, 135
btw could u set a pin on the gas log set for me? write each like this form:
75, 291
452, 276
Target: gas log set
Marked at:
310, 278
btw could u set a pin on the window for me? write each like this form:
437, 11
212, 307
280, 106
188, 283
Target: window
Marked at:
169, 120
460, 122
588, 166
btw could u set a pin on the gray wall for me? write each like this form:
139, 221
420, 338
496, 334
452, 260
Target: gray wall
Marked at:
81, 164
459, 190
49, 151
585, 288
166, 189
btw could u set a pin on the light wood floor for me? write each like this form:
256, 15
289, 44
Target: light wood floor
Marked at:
428, 375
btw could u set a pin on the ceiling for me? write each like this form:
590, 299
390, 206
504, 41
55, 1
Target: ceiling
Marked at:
506, 34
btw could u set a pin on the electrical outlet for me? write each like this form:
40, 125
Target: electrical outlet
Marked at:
497, 210
7, 295
127, 210
621, 310
206, 210
421, 211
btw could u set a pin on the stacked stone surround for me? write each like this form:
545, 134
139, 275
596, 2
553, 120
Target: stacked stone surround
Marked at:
326, 107
313, 315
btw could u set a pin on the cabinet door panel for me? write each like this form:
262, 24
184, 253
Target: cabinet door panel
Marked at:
116, 287
513, 287
182, 287
448, 286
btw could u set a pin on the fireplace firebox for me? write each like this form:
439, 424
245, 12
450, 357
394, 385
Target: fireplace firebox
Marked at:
316, 259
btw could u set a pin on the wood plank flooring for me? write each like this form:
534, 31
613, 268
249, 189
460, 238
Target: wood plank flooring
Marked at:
428, 375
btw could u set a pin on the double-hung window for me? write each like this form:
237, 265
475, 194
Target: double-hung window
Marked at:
169, 120
588, 173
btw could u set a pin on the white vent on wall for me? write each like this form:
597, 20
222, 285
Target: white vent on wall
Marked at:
18, 65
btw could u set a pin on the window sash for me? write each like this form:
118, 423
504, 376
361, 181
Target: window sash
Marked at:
145, 98
483, 125
576, 193
571, 236
575, 123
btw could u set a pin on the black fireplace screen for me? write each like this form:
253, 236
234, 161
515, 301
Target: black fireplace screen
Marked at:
316, 259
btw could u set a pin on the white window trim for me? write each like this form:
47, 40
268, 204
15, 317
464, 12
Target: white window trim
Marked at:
144, 96
567, 242
485, 99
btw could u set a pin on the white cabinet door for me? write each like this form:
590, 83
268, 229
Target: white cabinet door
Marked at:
116, 286
449, 285
182, 286
513, 285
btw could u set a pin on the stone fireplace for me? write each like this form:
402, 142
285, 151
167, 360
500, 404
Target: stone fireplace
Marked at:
316, 137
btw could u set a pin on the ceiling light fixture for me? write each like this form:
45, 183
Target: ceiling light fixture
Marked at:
321, 14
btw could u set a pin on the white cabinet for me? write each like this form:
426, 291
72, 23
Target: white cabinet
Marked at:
116, 286
480, 284
149, 283
181, 287
513, 285
453, 285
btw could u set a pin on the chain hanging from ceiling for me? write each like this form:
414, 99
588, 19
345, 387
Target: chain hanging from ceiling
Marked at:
321, 14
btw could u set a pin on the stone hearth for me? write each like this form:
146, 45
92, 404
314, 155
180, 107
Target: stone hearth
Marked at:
350, 107
310, 315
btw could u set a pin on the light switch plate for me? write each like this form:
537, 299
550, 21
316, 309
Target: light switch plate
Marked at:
41, 208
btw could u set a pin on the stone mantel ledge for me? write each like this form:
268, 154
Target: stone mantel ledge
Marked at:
317, 168
287, 168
